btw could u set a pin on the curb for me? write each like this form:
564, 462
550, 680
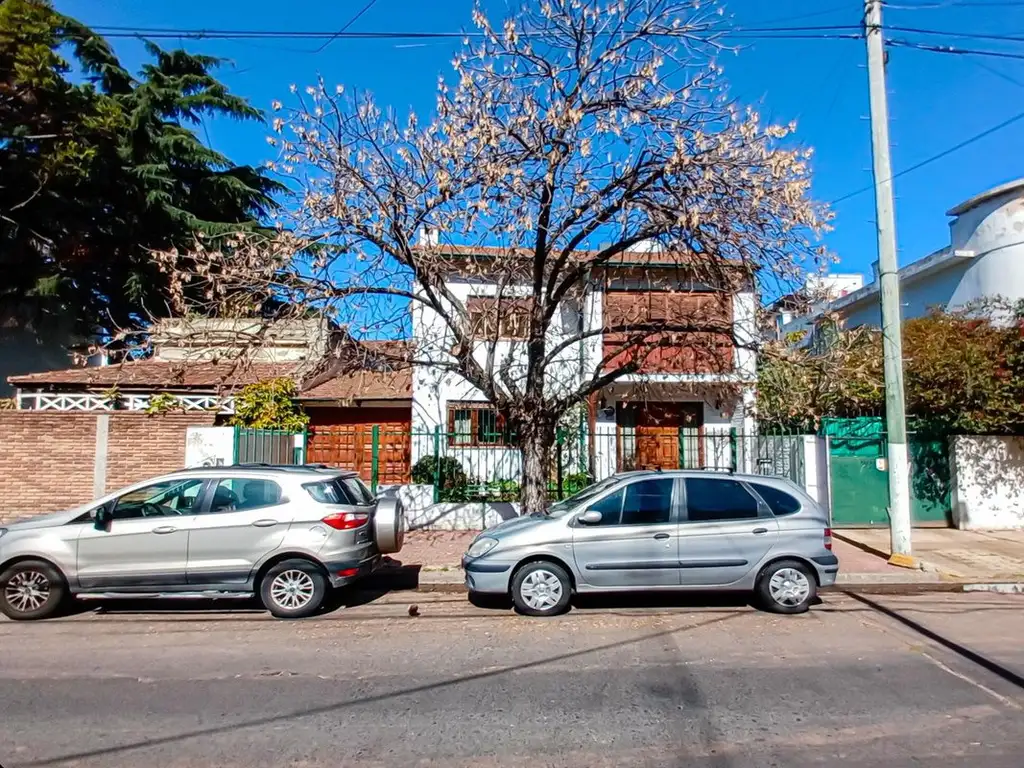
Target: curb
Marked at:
441, 581
868, 587
1002, 588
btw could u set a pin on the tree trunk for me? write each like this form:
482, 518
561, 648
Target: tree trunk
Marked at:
536, 442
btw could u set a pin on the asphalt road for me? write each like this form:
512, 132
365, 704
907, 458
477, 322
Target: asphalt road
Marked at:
850, 684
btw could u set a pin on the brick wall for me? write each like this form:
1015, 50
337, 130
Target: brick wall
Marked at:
47, 459
142, 446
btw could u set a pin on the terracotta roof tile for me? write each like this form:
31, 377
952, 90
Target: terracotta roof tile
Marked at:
363, 385
155, 375
152, 374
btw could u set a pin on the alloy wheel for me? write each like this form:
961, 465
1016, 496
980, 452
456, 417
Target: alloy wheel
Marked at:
292, 589
27, 591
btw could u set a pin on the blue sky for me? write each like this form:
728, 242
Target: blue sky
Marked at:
935, 101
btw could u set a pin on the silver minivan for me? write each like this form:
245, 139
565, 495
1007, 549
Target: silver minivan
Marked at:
285, 533
661, 530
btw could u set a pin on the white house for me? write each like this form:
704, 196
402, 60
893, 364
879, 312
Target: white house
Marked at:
674, 412
984, 259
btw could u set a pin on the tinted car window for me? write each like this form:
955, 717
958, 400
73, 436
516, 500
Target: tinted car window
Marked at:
780, 502
171, 497
234, 494
648, 502
610, 508
708, 500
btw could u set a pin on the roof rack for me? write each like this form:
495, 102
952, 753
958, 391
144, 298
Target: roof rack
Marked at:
262, 466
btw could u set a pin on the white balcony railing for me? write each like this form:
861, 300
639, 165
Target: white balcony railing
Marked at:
85, 401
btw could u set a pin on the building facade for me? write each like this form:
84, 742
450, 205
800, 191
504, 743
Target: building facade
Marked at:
672, 412
983, 261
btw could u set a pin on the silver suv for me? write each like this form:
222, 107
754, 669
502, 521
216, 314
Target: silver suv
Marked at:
287, 534
673, 530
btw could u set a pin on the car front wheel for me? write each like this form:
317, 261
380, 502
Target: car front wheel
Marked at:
787, 587
541, 589
31, 589
293, 589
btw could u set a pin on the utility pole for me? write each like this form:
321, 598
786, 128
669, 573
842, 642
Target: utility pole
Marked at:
888, 277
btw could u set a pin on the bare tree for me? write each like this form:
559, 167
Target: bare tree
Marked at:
583, 140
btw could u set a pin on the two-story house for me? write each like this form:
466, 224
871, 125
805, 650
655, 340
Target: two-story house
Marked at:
673, 407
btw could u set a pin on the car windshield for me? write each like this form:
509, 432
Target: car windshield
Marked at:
581, 497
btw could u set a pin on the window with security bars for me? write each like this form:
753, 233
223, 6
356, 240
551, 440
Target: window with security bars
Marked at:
475, 424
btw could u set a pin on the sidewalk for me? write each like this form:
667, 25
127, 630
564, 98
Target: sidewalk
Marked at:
437, 555
976, 557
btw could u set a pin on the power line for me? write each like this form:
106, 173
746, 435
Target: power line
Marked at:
823, 32
998, 73
958, 4
955, 148
348, 24
949, 49
158, 32
966, 35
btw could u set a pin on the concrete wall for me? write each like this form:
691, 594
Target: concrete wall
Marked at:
994, 231
421, 513
987, 241
988, 482
434, 388
53, 461
917, 297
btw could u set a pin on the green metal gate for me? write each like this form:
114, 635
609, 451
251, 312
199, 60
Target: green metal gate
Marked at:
268, 446
860, 479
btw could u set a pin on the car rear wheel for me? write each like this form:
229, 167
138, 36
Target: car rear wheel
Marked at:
541, 589
293, 589
31, 589
787, 587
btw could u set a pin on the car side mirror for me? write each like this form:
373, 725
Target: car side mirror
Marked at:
590, 517
102, 517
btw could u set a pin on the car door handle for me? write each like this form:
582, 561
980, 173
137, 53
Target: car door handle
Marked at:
759, 531
165, 529
264, 523
661, 536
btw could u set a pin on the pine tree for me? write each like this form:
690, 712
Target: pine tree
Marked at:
96, 175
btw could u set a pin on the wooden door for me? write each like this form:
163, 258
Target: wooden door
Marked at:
343, 438
658, 428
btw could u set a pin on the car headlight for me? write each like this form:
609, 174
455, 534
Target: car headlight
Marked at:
481, 547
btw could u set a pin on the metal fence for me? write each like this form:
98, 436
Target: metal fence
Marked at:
268, 446
488, 467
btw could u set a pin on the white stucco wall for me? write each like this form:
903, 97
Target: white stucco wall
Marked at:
434, 388
988, 482
984, 259
994, 231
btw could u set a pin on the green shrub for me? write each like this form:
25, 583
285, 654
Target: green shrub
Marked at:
269, 404
428, 469
575, 483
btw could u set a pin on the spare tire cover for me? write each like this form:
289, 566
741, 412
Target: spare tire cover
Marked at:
389, 525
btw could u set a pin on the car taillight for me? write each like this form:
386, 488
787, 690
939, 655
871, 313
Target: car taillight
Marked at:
344, 521
828, 539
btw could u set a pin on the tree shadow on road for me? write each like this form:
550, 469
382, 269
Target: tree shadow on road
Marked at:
340, 706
